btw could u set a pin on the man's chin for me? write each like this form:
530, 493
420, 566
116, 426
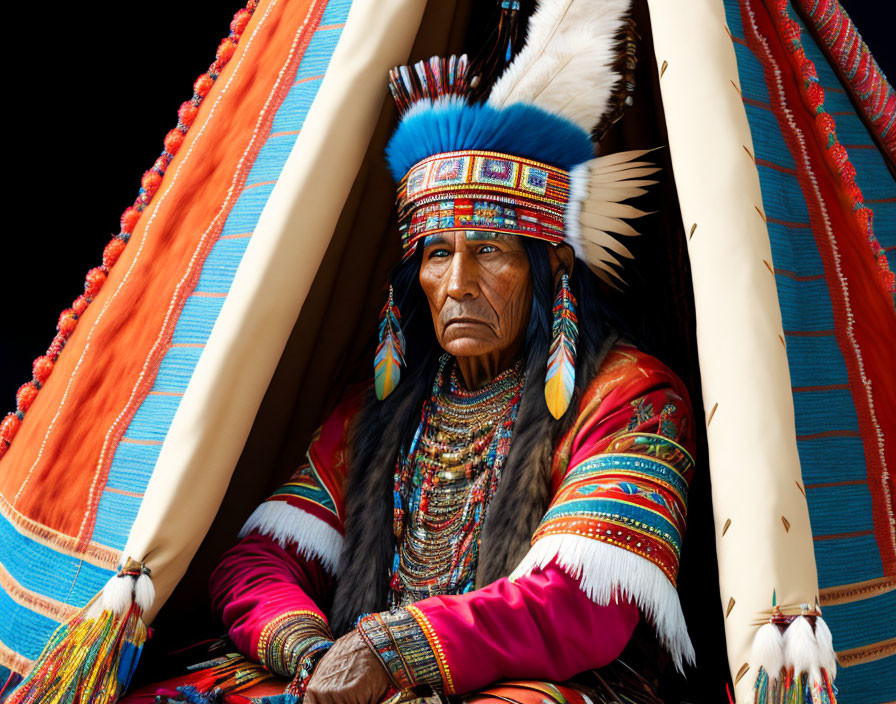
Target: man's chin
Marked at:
468, 346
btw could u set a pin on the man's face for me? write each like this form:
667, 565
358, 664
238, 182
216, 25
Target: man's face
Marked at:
479, 291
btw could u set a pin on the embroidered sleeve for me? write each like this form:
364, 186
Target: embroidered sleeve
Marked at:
617, 518
408, 648
306, 512
286, 638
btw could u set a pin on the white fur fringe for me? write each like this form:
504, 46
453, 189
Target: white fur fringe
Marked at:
607, 573
799, 651
289, 525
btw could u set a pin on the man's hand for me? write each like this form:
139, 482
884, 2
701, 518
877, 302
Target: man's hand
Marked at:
348, 674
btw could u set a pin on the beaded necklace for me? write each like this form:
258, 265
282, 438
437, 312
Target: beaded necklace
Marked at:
445, 480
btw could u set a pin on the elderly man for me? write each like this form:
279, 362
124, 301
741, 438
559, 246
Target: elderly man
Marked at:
507, 498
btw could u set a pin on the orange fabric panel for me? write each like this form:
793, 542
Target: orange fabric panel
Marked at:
56, 468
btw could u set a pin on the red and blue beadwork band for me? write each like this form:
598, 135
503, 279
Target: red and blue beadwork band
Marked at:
481, 190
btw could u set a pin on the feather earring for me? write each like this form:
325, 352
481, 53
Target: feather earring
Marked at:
561, 374
390, 351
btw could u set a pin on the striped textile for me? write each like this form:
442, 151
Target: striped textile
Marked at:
852, 533
31, 606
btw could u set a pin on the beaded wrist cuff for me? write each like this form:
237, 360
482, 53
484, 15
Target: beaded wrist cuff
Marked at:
407, 646
286, 639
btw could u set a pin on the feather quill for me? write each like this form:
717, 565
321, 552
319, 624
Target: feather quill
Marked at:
595, 209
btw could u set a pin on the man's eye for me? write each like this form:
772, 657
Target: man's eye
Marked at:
440, 252
487, 249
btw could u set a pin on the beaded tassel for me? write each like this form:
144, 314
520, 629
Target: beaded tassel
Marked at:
93, 657
390, 352
561, 375
795, 659
149, 185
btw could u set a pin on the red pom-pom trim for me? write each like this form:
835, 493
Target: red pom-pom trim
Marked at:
113, 251
41, 369
67, 322
10, 426
240, 21
25, 396
203, 85
226, 50
150, 182
187, 113
80, 304
173, 140
129, 220
96, 277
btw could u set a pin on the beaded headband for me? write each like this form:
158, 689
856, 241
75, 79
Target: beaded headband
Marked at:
481, 190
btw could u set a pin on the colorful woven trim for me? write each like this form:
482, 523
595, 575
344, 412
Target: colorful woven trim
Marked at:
407, 646
284, 640
840, 37
149, 185
633, 496
479, 190
824, 124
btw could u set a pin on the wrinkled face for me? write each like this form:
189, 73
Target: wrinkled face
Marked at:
479, 291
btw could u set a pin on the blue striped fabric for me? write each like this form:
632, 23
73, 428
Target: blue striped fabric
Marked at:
816, 361
75, 581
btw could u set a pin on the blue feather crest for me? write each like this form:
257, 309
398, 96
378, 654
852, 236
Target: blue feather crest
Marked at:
451, 124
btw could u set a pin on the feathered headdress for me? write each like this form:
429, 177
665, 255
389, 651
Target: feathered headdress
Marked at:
522, 162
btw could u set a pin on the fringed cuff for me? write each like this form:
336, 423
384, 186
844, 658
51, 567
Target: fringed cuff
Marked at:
286, 639
407, 646
607, 573
311, 536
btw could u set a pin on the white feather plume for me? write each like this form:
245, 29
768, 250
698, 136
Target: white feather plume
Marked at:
566, 65
595, 212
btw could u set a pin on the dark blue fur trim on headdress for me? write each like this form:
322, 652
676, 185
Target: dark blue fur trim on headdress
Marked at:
451, 124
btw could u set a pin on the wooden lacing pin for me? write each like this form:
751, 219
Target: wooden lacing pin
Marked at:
726, 527
730, 35
761, 214
752, 158
737, 89
691, 233
730, 606
663, 68
800, 487
783, 341
769, 267
711, 414
786, 523
741, 672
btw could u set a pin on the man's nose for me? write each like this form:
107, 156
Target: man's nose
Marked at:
463, 278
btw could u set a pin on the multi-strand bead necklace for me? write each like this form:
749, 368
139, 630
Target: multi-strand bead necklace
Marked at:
445, 480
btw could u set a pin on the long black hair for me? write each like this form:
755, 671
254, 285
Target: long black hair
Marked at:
382, 428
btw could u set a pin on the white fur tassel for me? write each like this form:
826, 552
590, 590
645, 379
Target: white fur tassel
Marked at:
801, 648
118, 594
826, 655
566, 65
287, 525
131, 585
144, 592
768, 650
595, 212
607, 573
